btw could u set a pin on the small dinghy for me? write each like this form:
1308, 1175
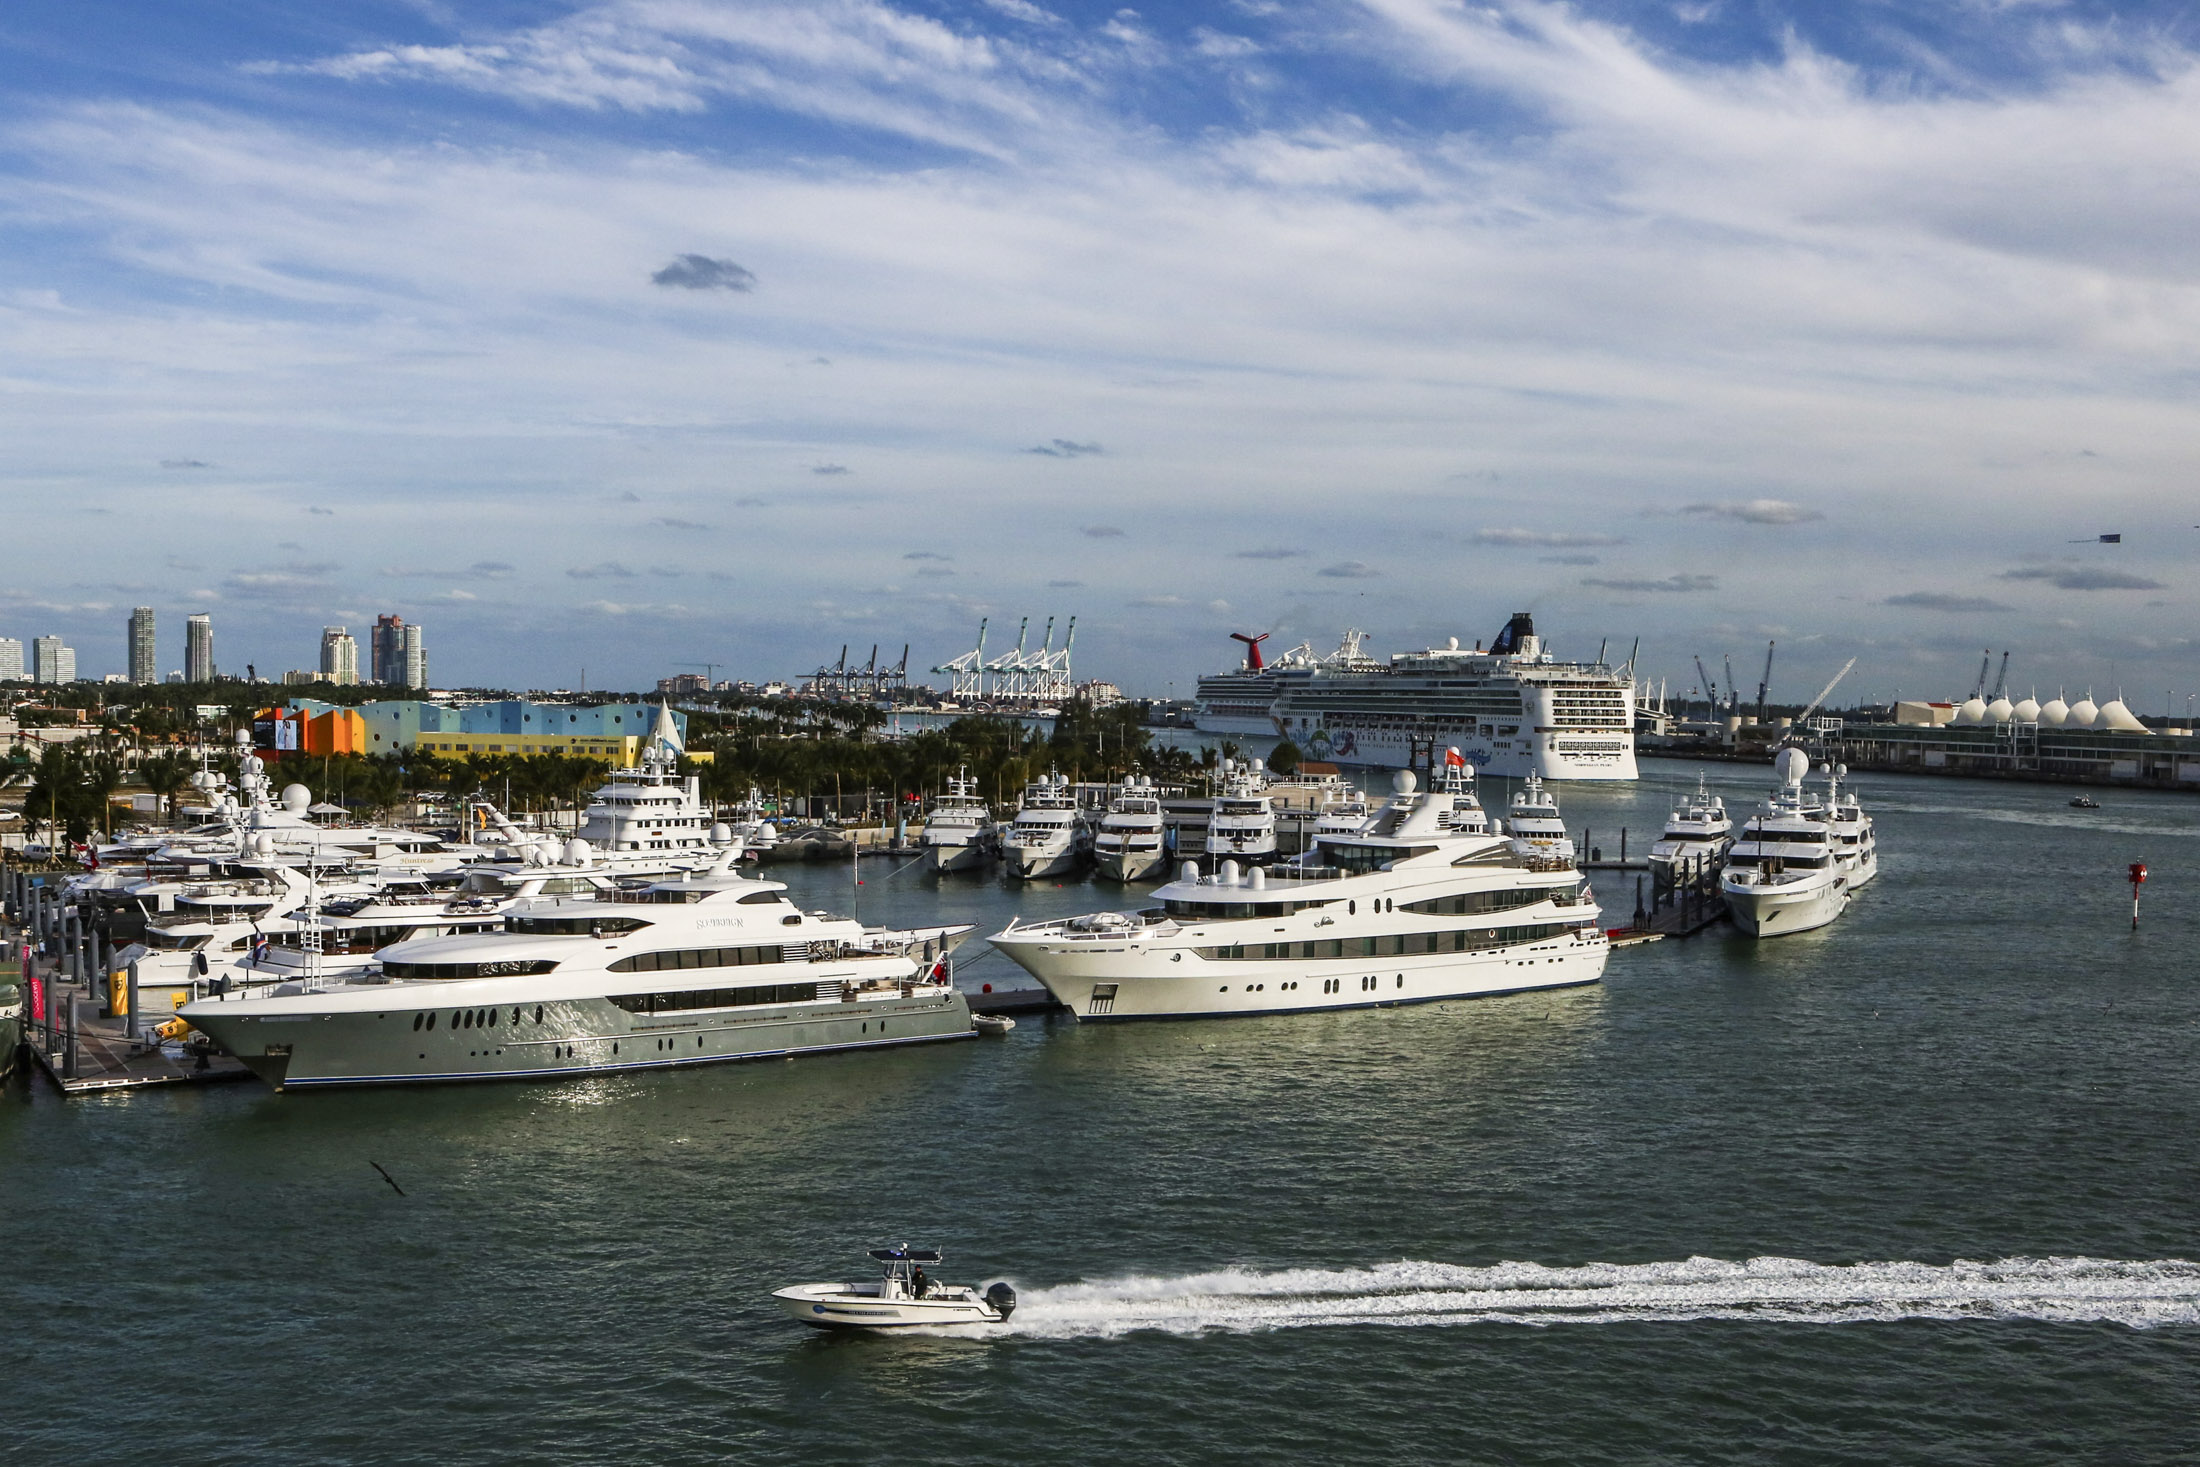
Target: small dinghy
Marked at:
2082, 802
993, 1026
906, 1296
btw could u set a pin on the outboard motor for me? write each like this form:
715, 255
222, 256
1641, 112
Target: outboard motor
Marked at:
1002, 1298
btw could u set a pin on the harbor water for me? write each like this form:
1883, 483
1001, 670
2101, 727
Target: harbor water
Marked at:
1921, 1187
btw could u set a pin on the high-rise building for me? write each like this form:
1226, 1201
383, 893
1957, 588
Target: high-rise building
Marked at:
52, 662
415, 658
339, 657
198, 649
389, 650
11, 660
144, 666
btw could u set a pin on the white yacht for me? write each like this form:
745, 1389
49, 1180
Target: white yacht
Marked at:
1696, 837
1130, 844
689, 970
904, 1297
1241, 825
1342, 814
1048, 837
651, 821
1419, 905
958, 831
1782, 875
1855, 845
1534, 820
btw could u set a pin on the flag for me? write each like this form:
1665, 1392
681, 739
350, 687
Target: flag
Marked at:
1453, 759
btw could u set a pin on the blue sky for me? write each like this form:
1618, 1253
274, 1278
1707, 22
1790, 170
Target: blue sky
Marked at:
637, 333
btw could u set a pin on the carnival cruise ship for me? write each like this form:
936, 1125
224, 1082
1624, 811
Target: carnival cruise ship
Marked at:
1243, 700
1513, 710
1425, 902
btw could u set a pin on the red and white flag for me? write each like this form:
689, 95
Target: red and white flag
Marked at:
1454, 759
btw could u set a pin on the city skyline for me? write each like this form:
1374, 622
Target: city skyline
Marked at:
622, 336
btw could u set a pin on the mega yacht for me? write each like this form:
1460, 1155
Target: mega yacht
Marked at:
1782, 875
1341, 814
690, 970
1855, 845
1241, 824
651, 821
1534, 820
958, 831
1129, 844
1048, 837
1426, 902
1514, 709
1696, 837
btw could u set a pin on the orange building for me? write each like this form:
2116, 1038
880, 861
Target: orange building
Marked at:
279, 732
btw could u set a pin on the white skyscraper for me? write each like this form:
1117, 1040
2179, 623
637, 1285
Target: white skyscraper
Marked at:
53, 662
198, 649
339, 657
144, 665
11, 660
415, 657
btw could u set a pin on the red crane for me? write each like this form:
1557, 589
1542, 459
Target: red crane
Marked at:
1252, 649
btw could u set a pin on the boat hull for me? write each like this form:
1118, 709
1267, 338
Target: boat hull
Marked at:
1780, 911
1030, 863
965, 857
1107, 983
1130, 865
573, 1038
837, 1306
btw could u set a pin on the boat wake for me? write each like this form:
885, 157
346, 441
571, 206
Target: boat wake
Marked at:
1786, 1290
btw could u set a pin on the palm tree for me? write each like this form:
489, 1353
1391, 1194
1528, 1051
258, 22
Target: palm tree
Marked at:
166, 776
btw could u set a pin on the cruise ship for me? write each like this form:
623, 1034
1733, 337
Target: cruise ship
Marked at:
1243, 700
1424, 902
1513, 710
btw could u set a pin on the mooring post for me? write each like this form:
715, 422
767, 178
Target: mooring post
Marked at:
132, 1029
68, 1068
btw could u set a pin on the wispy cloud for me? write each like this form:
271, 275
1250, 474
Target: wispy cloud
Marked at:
1349, 570
701, 272
1754, 511
1267, 554
185, 463
2082, 578
677, 524
925, 555
829, 469
1555, 539
602, 570
1681, 583
1944, 601
1063, 448
1103, 532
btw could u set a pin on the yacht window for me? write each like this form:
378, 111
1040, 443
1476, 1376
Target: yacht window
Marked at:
502, 968
709, 957
715, 998
677, 896
540, 925
759, 899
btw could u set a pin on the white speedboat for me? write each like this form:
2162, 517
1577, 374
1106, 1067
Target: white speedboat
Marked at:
1419, 905
958, 831
1782, 875
1241, 825
1129, 845
1696, 837
903, 1298
1048, 837
1534, 821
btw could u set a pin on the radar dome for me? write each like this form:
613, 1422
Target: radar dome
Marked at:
1403, 782
1791, 765
577, 852
2083, 714
296, 797
1228, 875
2115, 715
1188, 872
2000, 711
1973, 710
1256, 766
263, 845
721, 834
2027, 711
202, 781
2054, 713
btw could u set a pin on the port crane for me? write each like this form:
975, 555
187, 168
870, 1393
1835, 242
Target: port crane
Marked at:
1733, 694
1986, 660
1803, 719
1710, 690
2001, 679
1764, 684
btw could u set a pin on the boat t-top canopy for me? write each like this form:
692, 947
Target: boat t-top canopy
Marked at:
906, 1254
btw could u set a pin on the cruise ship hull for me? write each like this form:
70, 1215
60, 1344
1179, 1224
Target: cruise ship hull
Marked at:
1779, 911
1356, 744
1237, 725
1105, 984
574, 1037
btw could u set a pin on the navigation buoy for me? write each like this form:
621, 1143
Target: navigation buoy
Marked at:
2138, 879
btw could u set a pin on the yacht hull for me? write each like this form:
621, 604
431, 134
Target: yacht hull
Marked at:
1105, 984
968, 857
1130, 865
574, 1037
1775, 911
837, 1306
1028, 863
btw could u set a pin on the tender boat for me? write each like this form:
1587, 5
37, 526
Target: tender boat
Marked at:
2082, 802
903, 1298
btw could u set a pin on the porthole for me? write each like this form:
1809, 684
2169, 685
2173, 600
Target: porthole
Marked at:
1352, 909
1401, 980
538, 1013
431, 1021
515, 1016
418, 1020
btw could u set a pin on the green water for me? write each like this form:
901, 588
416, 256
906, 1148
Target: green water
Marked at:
1235, 1241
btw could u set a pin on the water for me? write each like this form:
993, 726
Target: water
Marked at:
1918, 1188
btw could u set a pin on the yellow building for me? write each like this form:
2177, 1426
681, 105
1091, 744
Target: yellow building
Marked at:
620, 752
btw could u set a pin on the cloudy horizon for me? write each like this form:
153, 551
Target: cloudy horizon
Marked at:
631, 334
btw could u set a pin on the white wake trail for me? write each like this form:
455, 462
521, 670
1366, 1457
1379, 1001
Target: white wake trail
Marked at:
2070, 1290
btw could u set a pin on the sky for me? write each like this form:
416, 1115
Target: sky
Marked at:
629, 335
